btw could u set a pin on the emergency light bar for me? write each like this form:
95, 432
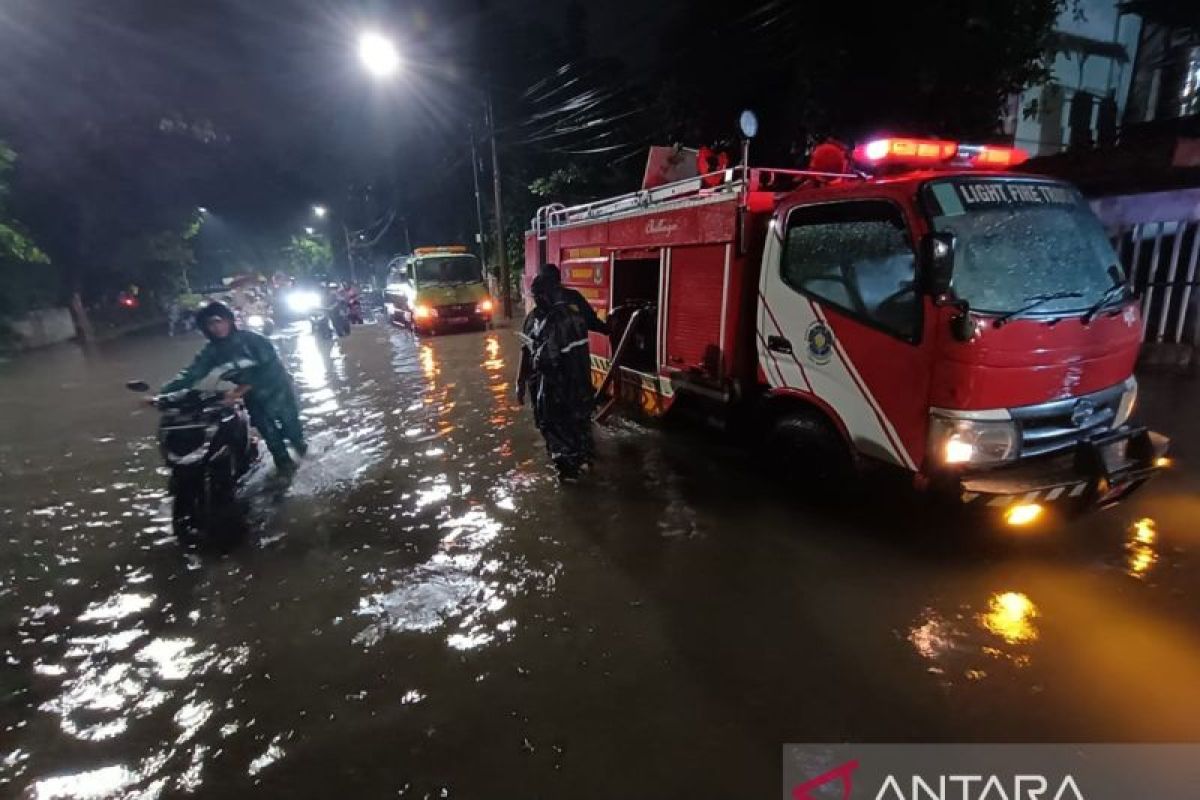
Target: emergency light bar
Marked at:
898, 151
990, 156
449, 248
930, 152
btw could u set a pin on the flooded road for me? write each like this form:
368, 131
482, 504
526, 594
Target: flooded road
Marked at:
425, 613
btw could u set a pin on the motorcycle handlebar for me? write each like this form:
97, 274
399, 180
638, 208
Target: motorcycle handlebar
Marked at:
193, 398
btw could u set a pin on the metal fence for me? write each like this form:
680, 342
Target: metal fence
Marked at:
1160, 259
1157, 238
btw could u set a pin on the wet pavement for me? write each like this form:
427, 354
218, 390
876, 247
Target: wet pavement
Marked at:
425, 613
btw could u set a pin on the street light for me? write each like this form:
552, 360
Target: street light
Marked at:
320, 211
309, 230
202, 210
378, 54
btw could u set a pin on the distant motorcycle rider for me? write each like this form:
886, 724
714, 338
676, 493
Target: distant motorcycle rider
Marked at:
556, 371
248, 359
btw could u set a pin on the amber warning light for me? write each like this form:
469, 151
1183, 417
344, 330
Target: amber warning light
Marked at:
441, 249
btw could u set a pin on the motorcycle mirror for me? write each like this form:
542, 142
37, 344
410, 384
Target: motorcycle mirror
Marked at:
137, 386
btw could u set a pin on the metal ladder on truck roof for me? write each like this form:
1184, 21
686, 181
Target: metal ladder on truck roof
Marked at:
728, 183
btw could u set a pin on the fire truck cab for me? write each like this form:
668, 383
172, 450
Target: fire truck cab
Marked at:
933, 311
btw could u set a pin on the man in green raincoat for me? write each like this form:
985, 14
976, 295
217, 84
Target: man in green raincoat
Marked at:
249, 360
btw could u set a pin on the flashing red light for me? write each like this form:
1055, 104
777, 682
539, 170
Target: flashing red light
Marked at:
905, 151
990, 156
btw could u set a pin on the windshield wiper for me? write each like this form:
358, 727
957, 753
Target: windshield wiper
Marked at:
1118, 291
1032, 302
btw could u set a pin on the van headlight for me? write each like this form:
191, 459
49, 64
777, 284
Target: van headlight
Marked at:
956, 441
1128, 401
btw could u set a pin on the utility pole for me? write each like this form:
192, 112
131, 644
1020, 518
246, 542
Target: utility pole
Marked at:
505, 287
349, 251
478, 200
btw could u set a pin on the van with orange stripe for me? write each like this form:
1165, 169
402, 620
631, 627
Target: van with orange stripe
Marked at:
926, 308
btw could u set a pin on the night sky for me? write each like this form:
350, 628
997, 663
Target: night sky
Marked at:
258, 109
129, 114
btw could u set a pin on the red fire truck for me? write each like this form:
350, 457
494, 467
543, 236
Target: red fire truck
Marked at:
927, 309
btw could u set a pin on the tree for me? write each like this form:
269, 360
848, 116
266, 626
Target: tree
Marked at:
308, 255
941, 67
27, 278
159, 260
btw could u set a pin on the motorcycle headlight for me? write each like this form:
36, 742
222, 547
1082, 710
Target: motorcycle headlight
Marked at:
957, 441
302, 302
1128, 401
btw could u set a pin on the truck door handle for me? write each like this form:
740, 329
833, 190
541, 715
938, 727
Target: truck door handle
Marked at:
778, 344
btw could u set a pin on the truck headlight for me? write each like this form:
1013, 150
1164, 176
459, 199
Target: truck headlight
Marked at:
956, 440
1128, 401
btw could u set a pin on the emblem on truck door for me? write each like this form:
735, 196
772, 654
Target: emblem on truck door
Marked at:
820, 343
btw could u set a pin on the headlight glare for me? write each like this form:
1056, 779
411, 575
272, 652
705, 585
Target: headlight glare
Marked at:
302, 302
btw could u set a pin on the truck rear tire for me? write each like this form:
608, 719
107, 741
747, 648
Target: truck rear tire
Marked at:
808, 453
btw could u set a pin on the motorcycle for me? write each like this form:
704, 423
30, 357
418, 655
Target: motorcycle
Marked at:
257, 322
329, 321
205, 441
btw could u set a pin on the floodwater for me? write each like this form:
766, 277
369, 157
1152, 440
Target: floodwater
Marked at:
424, 612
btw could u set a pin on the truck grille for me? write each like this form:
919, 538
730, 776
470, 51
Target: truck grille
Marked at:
1060, 424
457, 310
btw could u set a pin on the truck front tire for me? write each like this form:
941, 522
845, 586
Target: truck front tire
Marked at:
806, 451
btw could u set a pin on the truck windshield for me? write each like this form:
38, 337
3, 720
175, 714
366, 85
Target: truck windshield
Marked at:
449, 269
1021, 241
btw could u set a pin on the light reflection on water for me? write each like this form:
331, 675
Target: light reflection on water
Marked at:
1141, 552
458, 587
965, 644
148, 659
1011, 616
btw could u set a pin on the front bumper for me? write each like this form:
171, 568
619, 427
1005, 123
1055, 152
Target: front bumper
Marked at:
455, 316
1098, 472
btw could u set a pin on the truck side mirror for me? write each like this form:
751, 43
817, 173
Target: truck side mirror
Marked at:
938, 250
962, 325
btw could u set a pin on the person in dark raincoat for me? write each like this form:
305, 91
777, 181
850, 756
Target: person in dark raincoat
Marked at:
249, 360
577, 302
573, 297
556, 371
